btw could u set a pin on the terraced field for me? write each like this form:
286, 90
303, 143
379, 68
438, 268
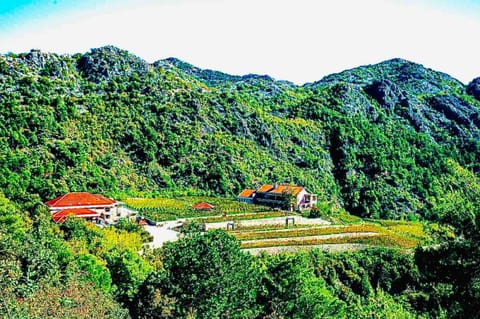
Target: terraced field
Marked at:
163, 209
398, 234
260, 229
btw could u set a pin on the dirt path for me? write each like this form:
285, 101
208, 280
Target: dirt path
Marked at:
162, 234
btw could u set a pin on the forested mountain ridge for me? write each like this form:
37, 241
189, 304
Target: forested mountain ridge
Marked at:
391, 140
380, 140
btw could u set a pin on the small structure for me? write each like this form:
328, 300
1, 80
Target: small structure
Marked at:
288, 220
283, 196
142, 222
203, 206
92, 207
246, 196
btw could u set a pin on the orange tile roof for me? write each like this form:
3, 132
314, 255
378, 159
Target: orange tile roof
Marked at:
265, 188
59, 217
246, 193
142, 222
291, 189
203, 205
80, 199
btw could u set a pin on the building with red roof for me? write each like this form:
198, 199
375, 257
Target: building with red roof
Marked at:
92, 207
246, 196
280, 195
60, 216
203, 206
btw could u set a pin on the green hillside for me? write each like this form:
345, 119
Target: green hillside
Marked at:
392, 140
380, 140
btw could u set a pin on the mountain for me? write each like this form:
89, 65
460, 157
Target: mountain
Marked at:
382, 140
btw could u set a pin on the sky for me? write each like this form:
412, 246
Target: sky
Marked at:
295, 40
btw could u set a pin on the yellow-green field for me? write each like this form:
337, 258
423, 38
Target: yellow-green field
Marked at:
403, 236
161, 209
263, 228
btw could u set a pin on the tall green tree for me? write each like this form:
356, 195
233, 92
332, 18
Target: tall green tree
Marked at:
291, 290
208, 276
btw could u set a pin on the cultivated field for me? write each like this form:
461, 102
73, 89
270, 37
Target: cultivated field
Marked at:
162, 209
262, 229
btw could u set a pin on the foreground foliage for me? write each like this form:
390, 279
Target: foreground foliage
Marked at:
80, 271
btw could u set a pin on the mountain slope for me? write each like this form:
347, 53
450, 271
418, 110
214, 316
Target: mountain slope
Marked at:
376, 139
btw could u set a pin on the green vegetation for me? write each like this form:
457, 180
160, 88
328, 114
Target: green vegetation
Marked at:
161, 208
405, 236
373, 140
287, 233
394, 140
47, 271
66, 270
380, 240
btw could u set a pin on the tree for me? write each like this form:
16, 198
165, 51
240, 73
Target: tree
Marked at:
128, 270
207, 275
381, 306
291, 290
12, 221
73, 299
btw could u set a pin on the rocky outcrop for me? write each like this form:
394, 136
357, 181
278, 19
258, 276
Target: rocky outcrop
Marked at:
386, 93
454, 115
108, 62
407, 76
39, 63
263, 85
473, 88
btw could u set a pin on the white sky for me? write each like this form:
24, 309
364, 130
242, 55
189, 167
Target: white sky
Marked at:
296, 40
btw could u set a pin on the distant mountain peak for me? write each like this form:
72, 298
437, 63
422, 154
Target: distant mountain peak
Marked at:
109, 61
213, 77
406, 74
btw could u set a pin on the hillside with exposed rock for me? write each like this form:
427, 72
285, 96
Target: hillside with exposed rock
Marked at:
382, 140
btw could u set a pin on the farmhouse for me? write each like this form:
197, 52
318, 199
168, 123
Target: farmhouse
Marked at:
92, 207
291, 197
246, 196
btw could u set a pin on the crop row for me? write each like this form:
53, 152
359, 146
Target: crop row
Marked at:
182, 207
414, 230
387, 240
307, 232
239, 227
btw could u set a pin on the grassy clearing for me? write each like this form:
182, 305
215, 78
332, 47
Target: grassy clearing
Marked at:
239, 227
344, 218
404, 228
414, 230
